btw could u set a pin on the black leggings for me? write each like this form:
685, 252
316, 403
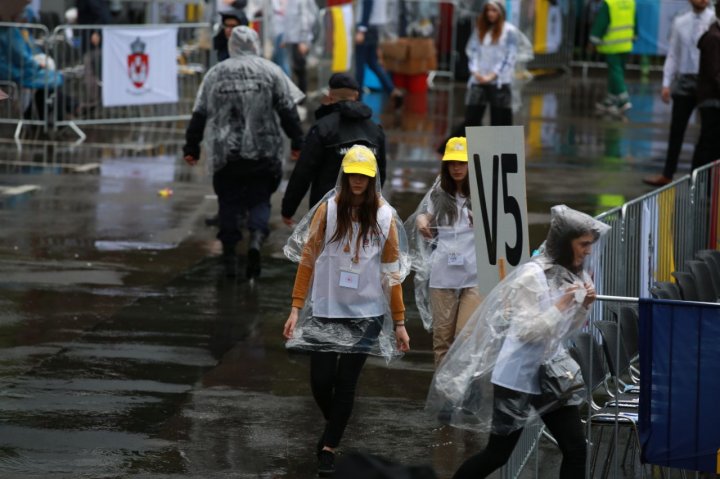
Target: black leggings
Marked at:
333, 378
566, 428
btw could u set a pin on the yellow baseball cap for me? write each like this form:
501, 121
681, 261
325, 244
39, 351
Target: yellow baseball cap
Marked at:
359, 160
456, 149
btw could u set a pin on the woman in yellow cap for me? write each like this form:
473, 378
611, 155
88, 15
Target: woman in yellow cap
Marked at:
443, 251
352, 255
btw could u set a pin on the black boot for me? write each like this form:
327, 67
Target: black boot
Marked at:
229, 260
253, 258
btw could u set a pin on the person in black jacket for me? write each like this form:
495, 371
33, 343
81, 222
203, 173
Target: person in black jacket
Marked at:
707, 148
340, 123
229, 19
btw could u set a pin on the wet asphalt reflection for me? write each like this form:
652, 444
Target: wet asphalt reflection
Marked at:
124, 351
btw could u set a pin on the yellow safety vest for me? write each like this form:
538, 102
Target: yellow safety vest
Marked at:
620, 32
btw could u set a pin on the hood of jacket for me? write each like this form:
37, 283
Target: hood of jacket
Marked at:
243, 41
355, 110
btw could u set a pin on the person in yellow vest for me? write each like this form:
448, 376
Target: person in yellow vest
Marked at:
612, 33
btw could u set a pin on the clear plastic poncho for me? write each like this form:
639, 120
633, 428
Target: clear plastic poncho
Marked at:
490, 379
239, 97
356, 319
447, 258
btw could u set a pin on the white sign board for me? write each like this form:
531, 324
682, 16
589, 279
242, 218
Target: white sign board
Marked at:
139, 66
497, 190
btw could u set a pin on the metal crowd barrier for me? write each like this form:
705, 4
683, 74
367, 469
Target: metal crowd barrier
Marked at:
655, 234
22, 51
81, 64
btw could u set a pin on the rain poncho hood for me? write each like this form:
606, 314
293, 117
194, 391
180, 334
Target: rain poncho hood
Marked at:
446, 259
328, 322
238, 96
521, 324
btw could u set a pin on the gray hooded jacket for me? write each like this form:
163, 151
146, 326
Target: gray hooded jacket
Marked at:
237, 101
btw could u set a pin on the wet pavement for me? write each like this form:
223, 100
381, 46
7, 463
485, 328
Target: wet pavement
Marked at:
124, 351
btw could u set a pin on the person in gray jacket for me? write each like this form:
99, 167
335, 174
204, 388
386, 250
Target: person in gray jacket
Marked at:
243, 142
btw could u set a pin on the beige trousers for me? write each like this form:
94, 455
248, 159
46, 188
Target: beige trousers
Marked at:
451, 309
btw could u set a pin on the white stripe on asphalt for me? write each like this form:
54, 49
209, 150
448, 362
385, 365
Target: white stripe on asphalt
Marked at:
17, 190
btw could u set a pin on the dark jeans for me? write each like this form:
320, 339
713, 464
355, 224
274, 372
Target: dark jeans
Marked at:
563, 423
682, 109
333, 378
707, 148
366, 54
299, 67
243, 200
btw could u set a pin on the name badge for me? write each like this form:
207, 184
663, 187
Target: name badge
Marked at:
455, 259
348, 279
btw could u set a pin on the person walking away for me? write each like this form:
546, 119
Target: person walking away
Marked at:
229, 19
343, 121
373, 19
707, 148
442, 243
300, 17
351, 248
235, 101
680, 80
612, 34
502, 371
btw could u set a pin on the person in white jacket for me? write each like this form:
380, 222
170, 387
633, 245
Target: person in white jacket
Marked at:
491, 51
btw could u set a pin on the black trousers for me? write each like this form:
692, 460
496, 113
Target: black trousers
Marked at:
333, 378
501, 113
299, 66
566, 428
499, 100
243, 201
682, 109
707, 148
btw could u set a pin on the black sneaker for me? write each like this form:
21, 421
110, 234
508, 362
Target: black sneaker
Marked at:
253, 264
326, 464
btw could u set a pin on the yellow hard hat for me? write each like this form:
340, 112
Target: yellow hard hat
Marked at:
456, 149
359, 160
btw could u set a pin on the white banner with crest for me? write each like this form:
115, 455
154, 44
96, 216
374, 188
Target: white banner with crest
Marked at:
139, 66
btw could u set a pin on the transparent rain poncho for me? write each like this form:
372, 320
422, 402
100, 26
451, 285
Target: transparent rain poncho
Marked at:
490, 379
238, 96
341, 319
447, 258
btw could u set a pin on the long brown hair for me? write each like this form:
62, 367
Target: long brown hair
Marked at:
484, 26
444, 201
366, 213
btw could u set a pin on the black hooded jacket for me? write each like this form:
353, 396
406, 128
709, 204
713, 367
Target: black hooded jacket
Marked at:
337, 127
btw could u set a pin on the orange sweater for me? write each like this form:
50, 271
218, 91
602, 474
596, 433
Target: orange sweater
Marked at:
315, 245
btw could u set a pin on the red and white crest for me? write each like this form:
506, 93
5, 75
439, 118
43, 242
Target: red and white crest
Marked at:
138, 63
